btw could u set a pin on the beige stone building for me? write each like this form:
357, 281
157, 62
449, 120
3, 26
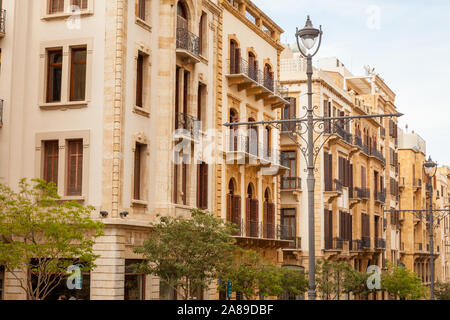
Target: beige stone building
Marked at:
443, 202
117, 93
357, 176
414, 228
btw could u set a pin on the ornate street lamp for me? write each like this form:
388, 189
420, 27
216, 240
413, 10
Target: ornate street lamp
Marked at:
308, 37
430, 168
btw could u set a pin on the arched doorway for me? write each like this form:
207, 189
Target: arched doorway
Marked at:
268, 77
252, 66
235, 58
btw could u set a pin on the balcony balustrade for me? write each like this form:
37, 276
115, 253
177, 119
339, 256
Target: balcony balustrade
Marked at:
188, 44
252, 229
377, 154
291, 183
188, 123
380, 243
269, 230
334, 243
2, 22
365, 242
257, 83
356, 245
363, 193
380, 196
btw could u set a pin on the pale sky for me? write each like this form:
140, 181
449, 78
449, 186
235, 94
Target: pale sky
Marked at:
406, 41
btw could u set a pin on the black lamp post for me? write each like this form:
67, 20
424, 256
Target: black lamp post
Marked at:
430, 168
308, 36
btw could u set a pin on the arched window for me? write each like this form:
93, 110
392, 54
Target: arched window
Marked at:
234, 131
235, 58
252, 224
267, 195
268, 77
231, 187
250, 191
268, 216
202, 32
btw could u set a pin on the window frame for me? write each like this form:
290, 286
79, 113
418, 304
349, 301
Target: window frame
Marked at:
63, 137
78, 176
72, 74
145, 87
49, 74
66, 46
46, 13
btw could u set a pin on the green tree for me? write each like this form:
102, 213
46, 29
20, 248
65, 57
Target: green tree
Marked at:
324, 279
356, 282
442, 291
294, 282
403, 283
44, 235
270, 280
244, 273
188, 253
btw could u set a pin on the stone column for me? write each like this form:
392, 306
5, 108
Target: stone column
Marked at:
108, 278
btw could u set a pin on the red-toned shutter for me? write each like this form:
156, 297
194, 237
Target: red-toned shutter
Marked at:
184, 182
137, 172
254, 218
248, 211
330, 171
237, 59
229, 207
75, 167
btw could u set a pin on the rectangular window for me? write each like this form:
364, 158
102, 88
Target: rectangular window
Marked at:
202, 186
51, 156
288, 224
56, 6
140, 80
141, 9
78, 75
82, 4
138, 157
54, 75
74, 167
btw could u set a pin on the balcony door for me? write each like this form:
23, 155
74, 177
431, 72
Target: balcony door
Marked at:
289, 159
251, 214
253, 138
288, 224
182, 18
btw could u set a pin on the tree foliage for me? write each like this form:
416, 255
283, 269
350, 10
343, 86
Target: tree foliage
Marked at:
333, 279
188, 253
44, 235
403, 283
442, 291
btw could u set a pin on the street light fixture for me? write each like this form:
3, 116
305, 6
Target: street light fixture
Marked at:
430, 168
308, 36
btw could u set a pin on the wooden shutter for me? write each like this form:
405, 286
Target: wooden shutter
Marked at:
204, 179
175, 183
237, 59
363, 177
51, 159
326, 171
232, 57
184, 182
248, 210
75, 168
137, 172
229, 207
328, 226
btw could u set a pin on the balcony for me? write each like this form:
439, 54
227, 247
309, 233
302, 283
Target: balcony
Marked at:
373, 152
269, 230
363, 193
340, 131
252, 229
380, 197
335, 244
356, 245
417, 184
365, 242
380, 244
257, 84
188, 45
2, 22
186, 126
333, 189
1, 113
291, 183
287, 232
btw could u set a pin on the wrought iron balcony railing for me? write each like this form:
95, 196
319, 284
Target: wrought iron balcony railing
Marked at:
358, 142
344, 134
355, 245
380, 243
377, 154
334, 243
363, 193
188, 41
365, 242
186, 122
1, 112
252, 228
380, 196
2, 21
237, 143
291, 183
269, 230
264, 80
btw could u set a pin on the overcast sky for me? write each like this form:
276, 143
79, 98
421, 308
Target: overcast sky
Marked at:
406, 41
